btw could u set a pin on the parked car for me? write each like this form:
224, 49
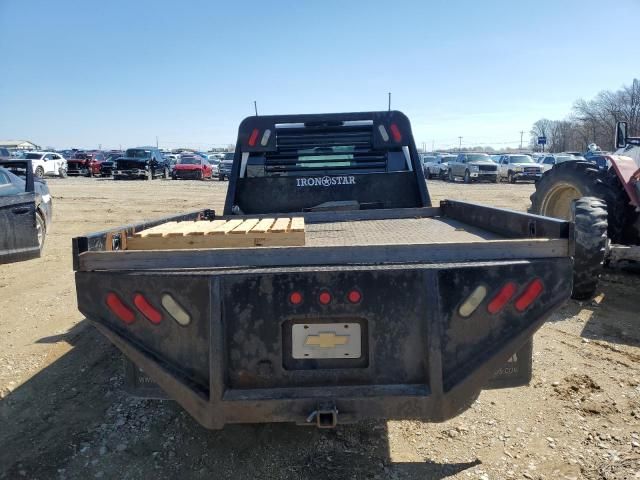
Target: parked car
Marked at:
107, 167
47, 163
224, 169
439, 168
427, 160
5, 154
514, 167
25, 211
472, 167
142, 162
214, 161
85, 164
552, 159
192, 167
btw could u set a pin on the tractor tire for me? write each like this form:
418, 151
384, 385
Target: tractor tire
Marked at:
39, 172
589, 215
569, 181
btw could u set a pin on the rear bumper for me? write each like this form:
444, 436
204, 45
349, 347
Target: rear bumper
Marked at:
233, 363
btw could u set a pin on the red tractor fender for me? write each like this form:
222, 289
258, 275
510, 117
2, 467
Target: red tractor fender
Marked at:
629, 174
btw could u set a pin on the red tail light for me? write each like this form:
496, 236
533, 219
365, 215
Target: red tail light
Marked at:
253, 138
502, 298
533, 291
295, 298
153, 315
119, 308
354, 296
324, 298
395, 132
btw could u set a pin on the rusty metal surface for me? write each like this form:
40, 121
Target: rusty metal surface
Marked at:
394, 232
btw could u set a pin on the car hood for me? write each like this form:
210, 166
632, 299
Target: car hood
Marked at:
526, 165
482, 162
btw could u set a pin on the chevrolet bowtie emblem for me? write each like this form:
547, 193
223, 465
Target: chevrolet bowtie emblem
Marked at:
326, 340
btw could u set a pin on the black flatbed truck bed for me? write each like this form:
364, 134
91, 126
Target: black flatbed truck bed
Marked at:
448, 301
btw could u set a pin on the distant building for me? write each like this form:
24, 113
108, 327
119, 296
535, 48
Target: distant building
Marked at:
18, 145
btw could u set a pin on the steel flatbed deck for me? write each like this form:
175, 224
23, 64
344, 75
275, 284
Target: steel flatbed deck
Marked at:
454, 232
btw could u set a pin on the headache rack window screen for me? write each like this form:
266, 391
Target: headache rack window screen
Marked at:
325, 149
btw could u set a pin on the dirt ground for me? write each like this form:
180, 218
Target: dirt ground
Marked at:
63, 413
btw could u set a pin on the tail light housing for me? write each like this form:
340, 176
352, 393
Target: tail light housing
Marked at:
533, 291
324, 298
253, 138
117, 306
148, 310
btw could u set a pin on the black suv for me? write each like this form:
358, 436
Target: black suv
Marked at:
224, 169
141, 162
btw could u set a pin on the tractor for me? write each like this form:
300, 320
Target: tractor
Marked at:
604, 205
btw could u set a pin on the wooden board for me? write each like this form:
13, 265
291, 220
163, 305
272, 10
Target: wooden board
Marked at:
233, 233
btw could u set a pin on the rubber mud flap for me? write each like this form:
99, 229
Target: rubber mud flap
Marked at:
138, 384
516, 372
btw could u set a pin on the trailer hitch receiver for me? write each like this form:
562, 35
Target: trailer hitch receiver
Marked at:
326, 416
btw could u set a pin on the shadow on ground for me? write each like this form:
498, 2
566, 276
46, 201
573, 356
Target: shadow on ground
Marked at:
613, 314
72, 420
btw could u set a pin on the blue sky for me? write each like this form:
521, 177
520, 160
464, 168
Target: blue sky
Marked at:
84, 73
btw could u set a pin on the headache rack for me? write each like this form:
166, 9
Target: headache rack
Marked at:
325, 148
297, 163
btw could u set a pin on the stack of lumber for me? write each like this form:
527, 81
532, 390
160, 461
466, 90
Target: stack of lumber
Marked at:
233, 233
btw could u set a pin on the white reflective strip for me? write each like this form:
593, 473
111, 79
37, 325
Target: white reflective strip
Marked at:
243, 164
265, 137
473, 302
176, 311
407, 157
383, 132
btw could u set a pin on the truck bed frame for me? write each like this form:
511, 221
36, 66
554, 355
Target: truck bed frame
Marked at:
454, 232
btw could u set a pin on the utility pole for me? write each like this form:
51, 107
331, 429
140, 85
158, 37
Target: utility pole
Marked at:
521, 133
389, 101
156, 141
460, 144
255, 107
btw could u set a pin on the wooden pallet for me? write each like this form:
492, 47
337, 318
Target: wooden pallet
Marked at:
268, 232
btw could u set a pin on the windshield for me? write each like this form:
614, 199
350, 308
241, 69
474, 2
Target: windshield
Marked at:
228, 156
564, 158
189, 161
33, 156
521, 159
473, 157
81, 156
138, 153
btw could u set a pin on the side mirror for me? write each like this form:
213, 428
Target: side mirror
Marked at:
621, 135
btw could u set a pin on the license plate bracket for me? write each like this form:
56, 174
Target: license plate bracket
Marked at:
326, 340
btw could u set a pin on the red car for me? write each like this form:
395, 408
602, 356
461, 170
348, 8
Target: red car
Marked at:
192, 167
85, 163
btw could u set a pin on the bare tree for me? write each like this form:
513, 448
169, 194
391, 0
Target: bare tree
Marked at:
592, 121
